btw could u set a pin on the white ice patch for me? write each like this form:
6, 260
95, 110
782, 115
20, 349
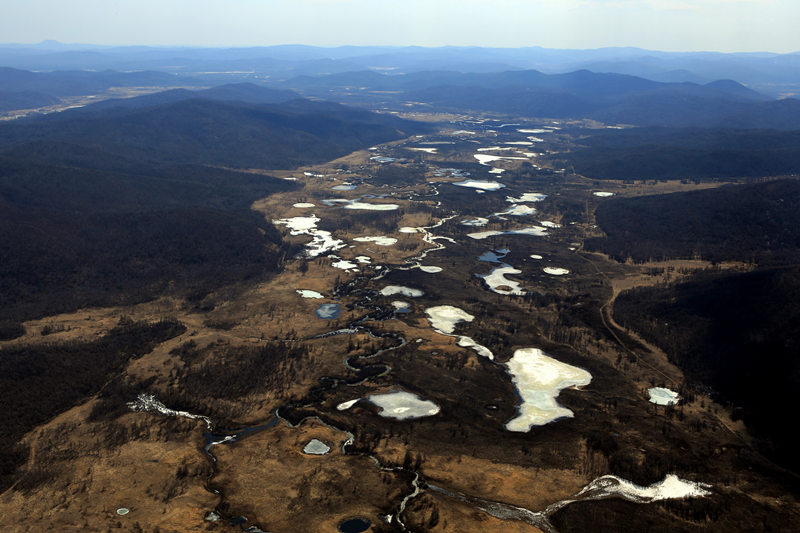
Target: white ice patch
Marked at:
363, 259
534, 230
662, 396
518, 210
536, 256
344, 406
555, 271
371, 207
467, 342
496, 280
316, 447
539, 379
443, 319
534, 131
322, 241
480, 184
305, 293
403, 405
463, 132
303, 205
497, 171
603, 194
426, 150
431, 269
527, 197
549, 224
149, 403
400, 306
344, 264
408, 292
408, 229
520, 143
485, 159
380, 240
477, 221
671, 488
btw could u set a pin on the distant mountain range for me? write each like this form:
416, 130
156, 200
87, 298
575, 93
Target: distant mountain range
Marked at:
609, 98
773, 74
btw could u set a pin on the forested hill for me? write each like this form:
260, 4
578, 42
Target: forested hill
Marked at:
213, 132
119, 204
757, 222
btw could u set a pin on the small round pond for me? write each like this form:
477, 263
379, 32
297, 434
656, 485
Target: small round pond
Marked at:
354, 525
328, 311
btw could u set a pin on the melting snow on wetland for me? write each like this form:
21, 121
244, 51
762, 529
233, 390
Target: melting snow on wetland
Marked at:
443, 319
322, 241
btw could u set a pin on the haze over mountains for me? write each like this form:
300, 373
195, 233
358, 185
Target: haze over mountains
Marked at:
771, 73
171, 219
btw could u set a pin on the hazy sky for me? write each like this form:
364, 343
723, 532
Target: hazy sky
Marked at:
722, 25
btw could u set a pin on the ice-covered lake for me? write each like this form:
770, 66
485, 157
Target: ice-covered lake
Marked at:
480, 184
391, 290
537, 231
402, 405
662, 396
539, 379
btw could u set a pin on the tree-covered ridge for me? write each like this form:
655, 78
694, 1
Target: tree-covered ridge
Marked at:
755, 222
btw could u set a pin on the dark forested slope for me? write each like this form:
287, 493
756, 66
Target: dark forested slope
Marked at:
117, 204
755, 222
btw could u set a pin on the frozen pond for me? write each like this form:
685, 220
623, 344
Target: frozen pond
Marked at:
380, 240
303, 205
518, 210
498, 283
536, 256
426, 150
430, 269
535, 131
403, 405
343, 187
328, 311
527, 197
478, 221
485, 159
391, 290
662, 396
534, 230
494, 256
364, 206
316, 447
344, 264
603, 194
443, 319
555, 271
344, 406
322, 241
401, 307
539, 379
305, 293
480, 184
359, 205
